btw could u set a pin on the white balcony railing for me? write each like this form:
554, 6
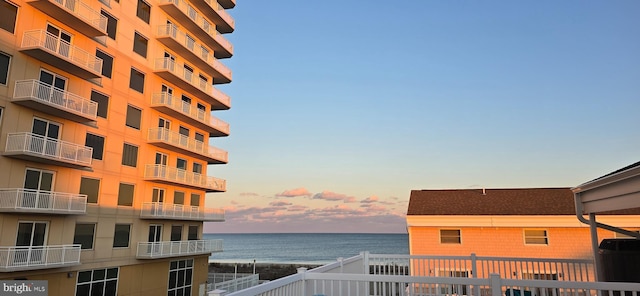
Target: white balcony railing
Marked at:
201, 23
84, 12
404, 275
150, 250
40, 201
158, 210
203, 53
175, 139
178, 70
47, 148
179, 176
38, 257
48, 94
202, 116
62, 49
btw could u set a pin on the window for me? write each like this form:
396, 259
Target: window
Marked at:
136, 82
121, 236
134, 116
195, 200
107, 63
178, 197
36, 179
450, 236
193, 232
97, 143
181, 164
5, 61
143, 11
129, 155
180, 277
199, 137
112, 24
453, 289
90, 187
100, 282
184, 131
84, 236
197, 168
103, 103
157, 195
140, 44
535, 237
176, 232
125, 195
9, 13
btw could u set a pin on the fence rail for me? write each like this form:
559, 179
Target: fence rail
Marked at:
149, 250
84, 12
175, 175
38, 257
181, 212
62, 49
53, 96
49, 148
182, 141
200, 115
41, 201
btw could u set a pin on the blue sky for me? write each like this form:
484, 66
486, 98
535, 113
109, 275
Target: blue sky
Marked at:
340, 108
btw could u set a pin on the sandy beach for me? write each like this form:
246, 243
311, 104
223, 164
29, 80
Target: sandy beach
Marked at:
267, 271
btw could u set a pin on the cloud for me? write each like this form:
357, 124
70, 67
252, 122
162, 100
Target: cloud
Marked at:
249, 194
370, 199
295, 192
280, 203
332, 196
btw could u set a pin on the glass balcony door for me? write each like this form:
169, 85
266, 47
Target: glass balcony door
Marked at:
30, 242
39, 184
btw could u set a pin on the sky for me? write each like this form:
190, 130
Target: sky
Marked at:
341, 107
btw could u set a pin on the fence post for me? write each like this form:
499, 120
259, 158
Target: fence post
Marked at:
474, 272
365, 262
496, 284
303, 271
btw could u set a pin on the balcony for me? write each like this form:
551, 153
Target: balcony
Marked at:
59, 53
158, 210
165, 138
150, 250
46, 150
187, 80
201, 56
199, 26
223, 20
171, 175
404, 275
76, 13
21, 200
199, 118
227, 4
49, 99
38, 257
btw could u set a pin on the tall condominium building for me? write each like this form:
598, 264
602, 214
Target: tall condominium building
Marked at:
105, 141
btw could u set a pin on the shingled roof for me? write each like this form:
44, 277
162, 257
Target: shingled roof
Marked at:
468, 202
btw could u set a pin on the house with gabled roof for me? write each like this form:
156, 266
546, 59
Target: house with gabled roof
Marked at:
519, 222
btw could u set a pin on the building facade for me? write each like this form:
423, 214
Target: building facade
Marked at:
525, 223
106, 137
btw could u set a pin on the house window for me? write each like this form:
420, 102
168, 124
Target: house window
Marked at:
136, 81
157, 195
450, 236
5, 61
90, 187
143, 11
193, 232
180, 277
97, 282
181, 164
107, 63
125, 195
84, 236
199, 137
103, 103
140, 44
129, 155
112, 24
121, 236
9, 13
178, 197
453, 289
97, 143
197, 168
176, 233
134, 116
535, 237
195, 200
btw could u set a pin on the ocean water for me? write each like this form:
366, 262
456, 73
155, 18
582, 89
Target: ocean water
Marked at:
307, 248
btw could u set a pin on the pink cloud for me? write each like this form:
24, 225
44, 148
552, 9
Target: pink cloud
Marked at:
249, 194
332, 196
296, 208
295, 192
370, 199
280, 203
